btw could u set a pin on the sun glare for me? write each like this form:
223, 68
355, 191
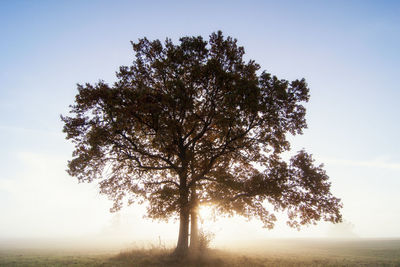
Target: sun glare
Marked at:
206, 214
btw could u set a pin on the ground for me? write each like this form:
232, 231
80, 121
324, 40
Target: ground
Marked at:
305, 252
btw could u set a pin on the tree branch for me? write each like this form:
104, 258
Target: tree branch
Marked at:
163, 182
145, 153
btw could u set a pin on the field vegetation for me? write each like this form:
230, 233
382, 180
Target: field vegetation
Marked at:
372, 252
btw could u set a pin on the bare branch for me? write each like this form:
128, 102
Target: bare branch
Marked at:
163, 182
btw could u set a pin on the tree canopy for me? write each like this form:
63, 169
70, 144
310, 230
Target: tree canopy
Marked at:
194, 123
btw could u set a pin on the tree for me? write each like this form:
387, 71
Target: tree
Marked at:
194, 123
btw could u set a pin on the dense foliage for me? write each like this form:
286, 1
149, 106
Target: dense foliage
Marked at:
194, 123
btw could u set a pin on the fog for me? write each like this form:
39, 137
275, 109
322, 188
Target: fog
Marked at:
46, 208
50, 211
349, 58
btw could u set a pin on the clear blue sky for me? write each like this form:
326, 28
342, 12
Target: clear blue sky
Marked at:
348, 51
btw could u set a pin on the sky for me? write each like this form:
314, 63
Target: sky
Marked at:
346, 50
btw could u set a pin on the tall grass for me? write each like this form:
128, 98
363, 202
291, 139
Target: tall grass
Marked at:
164, 257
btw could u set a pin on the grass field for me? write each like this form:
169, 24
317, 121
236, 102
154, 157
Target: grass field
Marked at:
257, 253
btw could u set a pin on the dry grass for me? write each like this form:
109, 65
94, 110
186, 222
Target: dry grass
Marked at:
271, 253
217, 258
164, 257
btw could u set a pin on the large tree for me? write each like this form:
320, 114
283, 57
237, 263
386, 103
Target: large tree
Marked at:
193, 123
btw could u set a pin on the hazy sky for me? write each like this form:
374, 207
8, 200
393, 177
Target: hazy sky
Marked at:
348, 51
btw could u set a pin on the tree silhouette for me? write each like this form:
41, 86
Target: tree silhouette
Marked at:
194, 123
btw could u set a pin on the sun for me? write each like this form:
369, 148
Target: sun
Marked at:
206, 214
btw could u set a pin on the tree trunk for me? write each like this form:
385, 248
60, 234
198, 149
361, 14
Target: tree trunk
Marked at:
184, 209
194, 227
183, 238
